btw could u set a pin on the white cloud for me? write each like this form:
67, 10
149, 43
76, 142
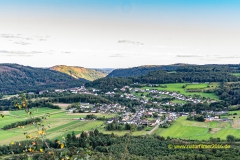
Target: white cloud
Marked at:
22, 43
130, 42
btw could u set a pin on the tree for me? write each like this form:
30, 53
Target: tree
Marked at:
96, 132
155, 115
230, 138
68, 139
73, 136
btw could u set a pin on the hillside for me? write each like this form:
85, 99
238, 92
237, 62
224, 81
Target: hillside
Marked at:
14, 78
141, 70
103, 70
80, 72
180, 67
181, 74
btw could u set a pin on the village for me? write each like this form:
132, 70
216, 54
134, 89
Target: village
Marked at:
142, 115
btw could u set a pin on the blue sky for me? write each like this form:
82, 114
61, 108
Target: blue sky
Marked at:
107, 33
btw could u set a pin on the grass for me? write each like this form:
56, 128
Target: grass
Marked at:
213, 124
198, 130
178, 87
232, 112
139, 94
179, 101
150, 119
237, 117
60, 123
196, 86
62, 105
76, 126
81, 115
35, 111
63, 126
97, 114
8, 120
236, 74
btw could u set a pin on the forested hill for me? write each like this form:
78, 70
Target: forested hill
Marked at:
80, 72
159, 77
141, 70
14, 78
190, 74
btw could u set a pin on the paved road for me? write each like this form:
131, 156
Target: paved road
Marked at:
156, 127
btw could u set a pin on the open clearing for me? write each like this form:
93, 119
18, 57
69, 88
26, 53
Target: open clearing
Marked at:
198, 130
58, 124
236, 74
9, 96
178, 87
62, 105
5, 112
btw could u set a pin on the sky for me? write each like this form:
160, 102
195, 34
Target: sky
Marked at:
119, 33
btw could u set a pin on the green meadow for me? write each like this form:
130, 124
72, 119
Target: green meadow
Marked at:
196, 86
37, 112
58, 124
236, 74
193, 130
178, 87
61, 123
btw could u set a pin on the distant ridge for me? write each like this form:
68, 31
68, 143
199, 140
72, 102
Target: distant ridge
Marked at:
142, 70
80, 72
15, 78
145, 69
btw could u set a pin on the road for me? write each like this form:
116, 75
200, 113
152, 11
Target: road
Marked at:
156, 126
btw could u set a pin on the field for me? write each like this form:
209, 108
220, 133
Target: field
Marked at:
37, 112
60, 124
178, 87
42, 98
179, 101
236, 74
198, 130
9, 96
196, 86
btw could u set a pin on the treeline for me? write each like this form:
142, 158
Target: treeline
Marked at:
229, 92
102, 146
86, 98
21, 123
43, 103
72, 98
206, 68
50, 93
190, 107
8, 104
196, 117
120, 127
161, 77
108, 84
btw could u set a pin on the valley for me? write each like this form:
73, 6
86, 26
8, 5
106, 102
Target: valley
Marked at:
184, 104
